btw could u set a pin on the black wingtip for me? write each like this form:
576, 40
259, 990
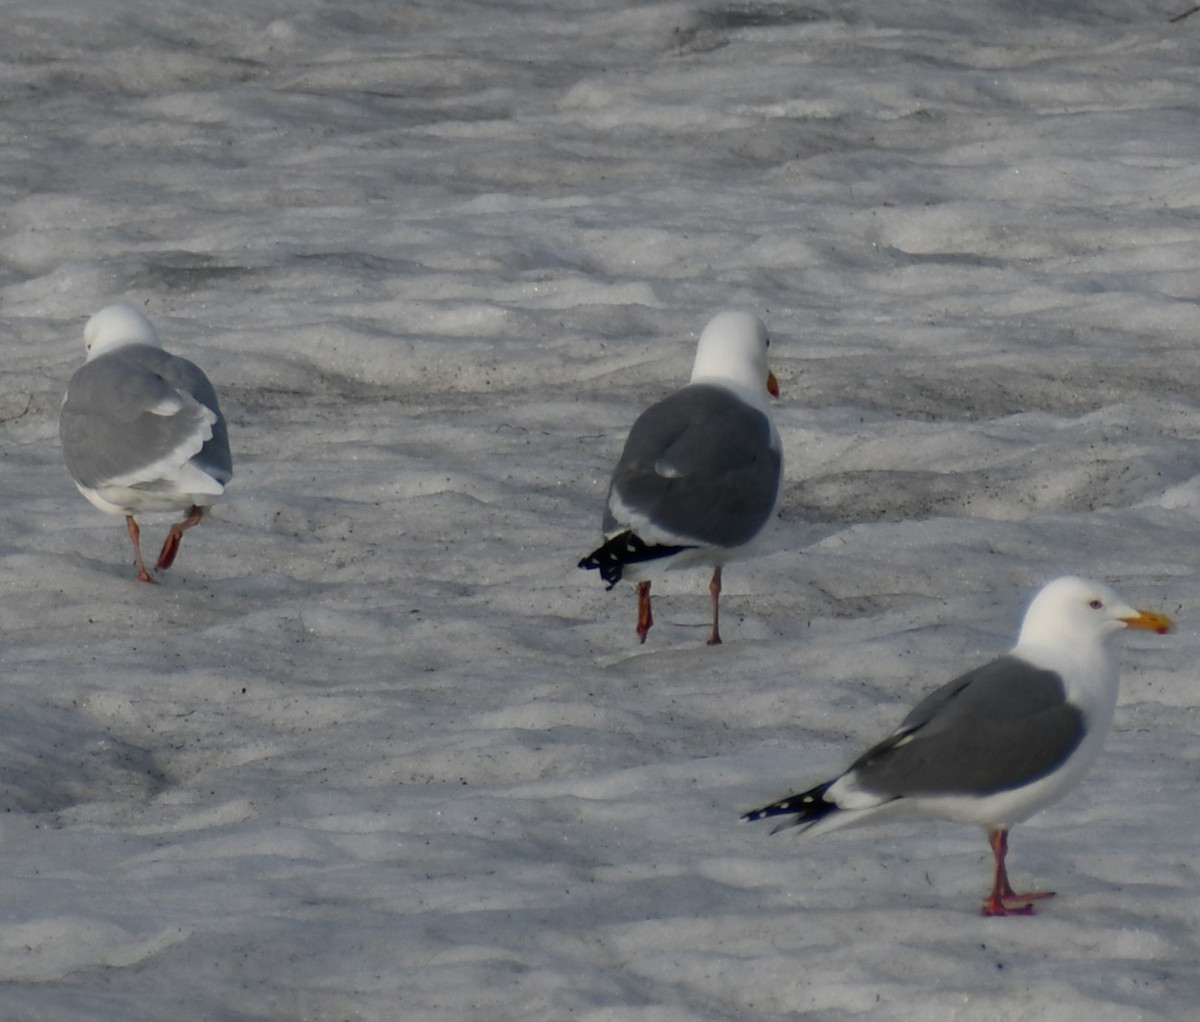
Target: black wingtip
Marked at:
602, 560
807, 807
622, 549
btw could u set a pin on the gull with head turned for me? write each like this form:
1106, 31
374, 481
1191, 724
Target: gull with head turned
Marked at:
997, 744
141, 429
700, 473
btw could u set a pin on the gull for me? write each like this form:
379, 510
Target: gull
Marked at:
700, 473
141, 429
997, 744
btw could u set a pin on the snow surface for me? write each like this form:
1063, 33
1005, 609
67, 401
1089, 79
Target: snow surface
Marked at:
375, 749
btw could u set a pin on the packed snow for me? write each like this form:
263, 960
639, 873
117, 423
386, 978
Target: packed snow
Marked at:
375, 749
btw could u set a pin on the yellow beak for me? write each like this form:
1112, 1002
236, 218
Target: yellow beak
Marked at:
1151, 621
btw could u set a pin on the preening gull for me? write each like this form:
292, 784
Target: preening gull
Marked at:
141, 429
997, 744
699, 476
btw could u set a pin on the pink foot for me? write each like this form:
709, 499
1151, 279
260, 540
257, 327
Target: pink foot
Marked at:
1019, 904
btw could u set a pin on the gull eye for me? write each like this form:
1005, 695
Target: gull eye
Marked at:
1095, 604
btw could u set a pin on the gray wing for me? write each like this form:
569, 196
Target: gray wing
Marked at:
107, 428
215, 457
700, 465
1000, 726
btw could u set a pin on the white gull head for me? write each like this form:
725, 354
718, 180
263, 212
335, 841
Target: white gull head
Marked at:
1069, 628
1073, 611
733, 353
116, 326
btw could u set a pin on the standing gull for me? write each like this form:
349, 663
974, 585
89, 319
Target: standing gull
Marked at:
699, 476
141, 429
997, 744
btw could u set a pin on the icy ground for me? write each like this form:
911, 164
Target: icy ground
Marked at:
375, 750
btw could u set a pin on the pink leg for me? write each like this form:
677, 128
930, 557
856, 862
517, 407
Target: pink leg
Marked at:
135, 537
714, 590
645, 620
170, 547
999, 901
